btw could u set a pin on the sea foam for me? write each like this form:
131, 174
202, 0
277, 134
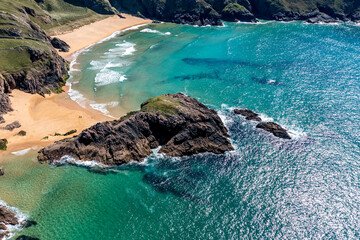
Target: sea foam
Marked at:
12, 229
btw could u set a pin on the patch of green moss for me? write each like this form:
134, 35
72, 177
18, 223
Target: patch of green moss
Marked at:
3, 144
162, 104
57, 134
45, 138
70, 132
235, 8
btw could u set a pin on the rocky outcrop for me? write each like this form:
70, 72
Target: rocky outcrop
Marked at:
12, 126
178, 124
248, 114
204, 12
60, 44
275, 129
7, 218
31, 64
193, 12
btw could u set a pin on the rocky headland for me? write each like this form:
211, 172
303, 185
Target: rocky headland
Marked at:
178, 124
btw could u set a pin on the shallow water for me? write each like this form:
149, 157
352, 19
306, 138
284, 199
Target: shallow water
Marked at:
305, 77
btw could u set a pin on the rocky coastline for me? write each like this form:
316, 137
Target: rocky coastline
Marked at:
11, 221
178, 124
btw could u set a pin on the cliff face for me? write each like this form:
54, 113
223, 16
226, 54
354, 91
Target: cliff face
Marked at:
179, 124
203, 12
28, 61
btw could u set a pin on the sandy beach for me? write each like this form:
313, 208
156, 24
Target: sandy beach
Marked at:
42, 117
85, 36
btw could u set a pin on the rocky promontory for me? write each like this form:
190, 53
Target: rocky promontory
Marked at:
178, 124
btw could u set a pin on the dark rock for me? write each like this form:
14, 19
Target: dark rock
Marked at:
3, 144
321, 18
60, 44
12, 126
2, 120
179, 124
2, 172
23, 237
22, 133
355, 17
275, 129
36, 54
29, 223
248, 114
30, 11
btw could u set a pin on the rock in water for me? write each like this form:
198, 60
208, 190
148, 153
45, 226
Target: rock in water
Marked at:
275, 129
2, 172
248, 114
179, 124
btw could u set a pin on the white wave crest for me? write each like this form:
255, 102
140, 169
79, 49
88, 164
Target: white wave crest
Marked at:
148, 30
70, 160
107, 76
103, 107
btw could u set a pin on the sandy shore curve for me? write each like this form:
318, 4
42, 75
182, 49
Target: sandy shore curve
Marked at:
44, 118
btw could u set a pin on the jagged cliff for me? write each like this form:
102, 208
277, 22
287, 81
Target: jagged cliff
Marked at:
180, 125
203, 12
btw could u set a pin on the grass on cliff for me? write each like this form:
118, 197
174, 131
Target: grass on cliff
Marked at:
163, 104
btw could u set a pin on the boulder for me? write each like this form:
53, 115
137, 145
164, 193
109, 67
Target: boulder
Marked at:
178, 124
275, 129
60, 44
248, 114
321, 18
2, 171
12, 126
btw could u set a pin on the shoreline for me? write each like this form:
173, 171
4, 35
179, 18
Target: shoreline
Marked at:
42, 117
96, 32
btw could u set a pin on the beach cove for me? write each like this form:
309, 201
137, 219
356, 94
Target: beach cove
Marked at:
265, 188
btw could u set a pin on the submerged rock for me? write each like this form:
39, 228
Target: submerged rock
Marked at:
23, 237
179, 124
248, 114
275, 129
2, 171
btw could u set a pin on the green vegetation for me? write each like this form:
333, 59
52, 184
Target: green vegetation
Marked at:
234, 8
163, 104
3, 144
45, 138
70, 132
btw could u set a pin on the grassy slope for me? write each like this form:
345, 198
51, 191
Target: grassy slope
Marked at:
14, 56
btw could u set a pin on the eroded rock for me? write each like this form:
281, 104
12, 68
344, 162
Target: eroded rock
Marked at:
275, 129
248, 114
179, 124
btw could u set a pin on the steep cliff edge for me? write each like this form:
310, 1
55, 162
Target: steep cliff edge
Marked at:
204, 12
180, 125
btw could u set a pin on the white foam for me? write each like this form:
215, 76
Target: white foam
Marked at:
70, 160
24, 151
148, 30
107, 76
12, 229
103, 107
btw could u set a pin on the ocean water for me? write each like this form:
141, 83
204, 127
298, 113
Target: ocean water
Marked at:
305, 77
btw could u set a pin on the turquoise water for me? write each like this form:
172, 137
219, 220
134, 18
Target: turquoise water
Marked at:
305, 77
